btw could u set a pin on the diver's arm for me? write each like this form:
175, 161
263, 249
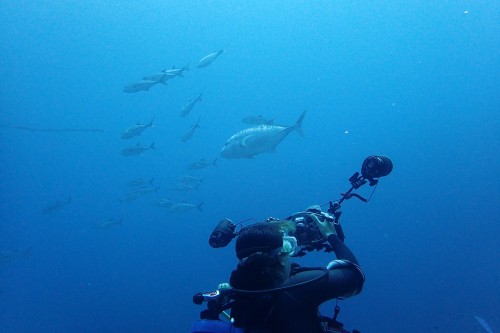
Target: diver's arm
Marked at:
345, 277
341, 250
344, 274
328, 231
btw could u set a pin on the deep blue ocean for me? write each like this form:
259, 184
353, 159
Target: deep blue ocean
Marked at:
417, 81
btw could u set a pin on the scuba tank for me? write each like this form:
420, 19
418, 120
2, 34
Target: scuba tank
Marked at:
214, 326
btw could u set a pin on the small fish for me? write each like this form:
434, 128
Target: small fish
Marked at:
143, 190
137, 149
136, 130
257, 120
201, 164
139, 86
186, 109
110, 223
189, 179
129, 197
7, 256
160, 77
140, 182
176, 71
184, 187
257, 140
164, 203
179, 207
484, 324
56, 206
208, 59
189, 134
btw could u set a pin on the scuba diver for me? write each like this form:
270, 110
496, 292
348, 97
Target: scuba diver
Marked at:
264, 251
267, 293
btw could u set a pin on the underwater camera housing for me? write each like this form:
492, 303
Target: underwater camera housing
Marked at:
308, 236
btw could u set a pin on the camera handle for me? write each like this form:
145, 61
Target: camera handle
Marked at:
334, 208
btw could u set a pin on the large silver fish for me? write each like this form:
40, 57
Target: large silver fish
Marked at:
190, 105
137, 149
139, 86
209, 58
136, 130
189, 134
260, 139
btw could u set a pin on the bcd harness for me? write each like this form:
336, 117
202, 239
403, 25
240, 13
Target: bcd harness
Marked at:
223, 299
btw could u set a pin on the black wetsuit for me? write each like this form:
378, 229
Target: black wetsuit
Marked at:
296, 310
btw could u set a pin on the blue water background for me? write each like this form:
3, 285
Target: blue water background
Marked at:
414, 80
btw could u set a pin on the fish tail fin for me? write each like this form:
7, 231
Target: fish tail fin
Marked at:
214, 162
163, 80
185, 68
199, 207
151, 122
151, 181
152, 146
298, 124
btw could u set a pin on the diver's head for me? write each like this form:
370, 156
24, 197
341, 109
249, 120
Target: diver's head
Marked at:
261, 237
264, 254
